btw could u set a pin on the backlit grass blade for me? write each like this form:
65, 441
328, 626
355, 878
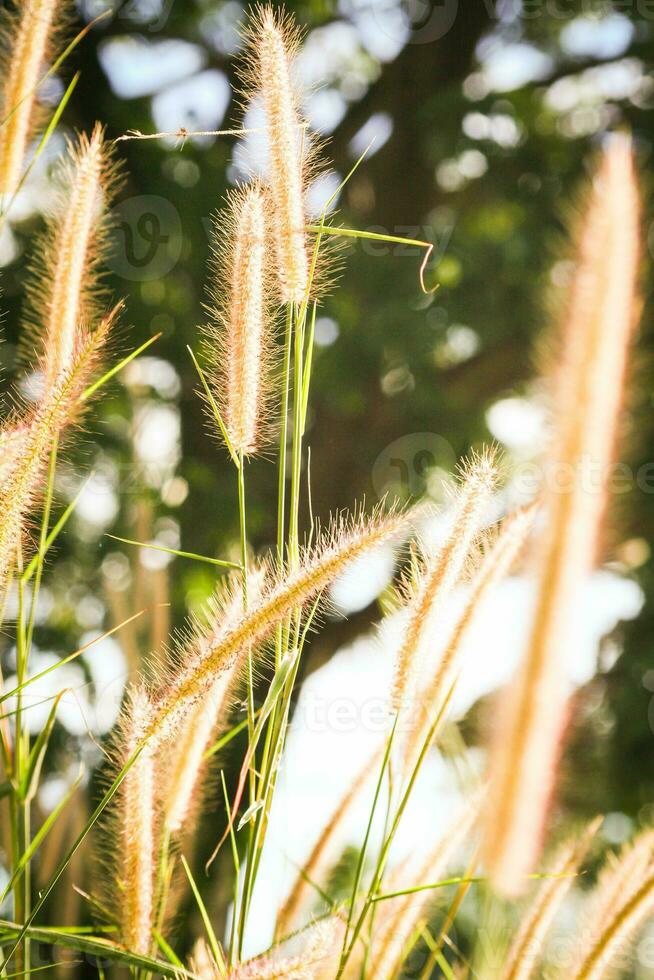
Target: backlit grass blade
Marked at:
178, 554
118, 367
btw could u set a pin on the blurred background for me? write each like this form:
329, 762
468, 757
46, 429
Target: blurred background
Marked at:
482, 118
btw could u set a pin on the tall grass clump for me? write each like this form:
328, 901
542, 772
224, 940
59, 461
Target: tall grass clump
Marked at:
166, 899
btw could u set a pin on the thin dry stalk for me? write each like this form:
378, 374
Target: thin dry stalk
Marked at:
587, 398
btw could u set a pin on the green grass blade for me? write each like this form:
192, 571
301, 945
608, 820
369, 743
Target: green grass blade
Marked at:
216, 411
211, 935
222, 563
167, 950
117, 367
95, 945
32, 773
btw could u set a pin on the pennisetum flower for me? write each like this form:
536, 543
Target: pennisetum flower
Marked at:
60, 407
63, 287
496, 564
273, 39
587, 398
319, 947
26, 42
136, 820
238, 342
622, 898
181, 771
228, 642
441, 572
526, 950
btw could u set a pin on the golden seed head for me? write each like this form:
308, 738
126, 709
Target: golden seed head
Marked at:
588, 391
273, 41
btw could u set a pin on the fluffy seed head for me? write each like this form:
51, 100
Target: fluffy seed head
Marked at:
27, 43
441, 572
526, 949
319, 946
588, 389
272, 41
60, 407
136, 816
228, 643
63, 290
238, 342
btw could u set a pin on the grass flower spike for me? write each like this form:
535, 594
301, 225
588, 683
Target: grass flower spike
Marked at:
136, 828
587, 398
27, 43
239, 341
64, 282
441, 572
273, 41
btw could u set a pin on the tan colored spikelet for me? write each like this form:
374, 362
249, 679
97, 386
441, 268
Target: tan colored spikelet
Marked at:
136, 822
184, 765
343, 543
62, 291
239, 340
526, 950
618, 883
587, 397
60, 408
306, 965
605, 956
322, 852
272, 40
398, 920
13, 438
202, 963
27, 41
441, 573
496, 564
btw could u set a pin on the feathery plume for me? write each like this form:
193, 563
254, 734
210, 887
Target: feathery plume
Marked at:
441, 572
13, 438
136, 821
304, 966
184, 767
239, 340
63, 286
527, 948
202, 963
230, 642
318, 862
586, 401
273, 40
606, 954
27, 42
402, 914
618, 884
59, 409
496, 564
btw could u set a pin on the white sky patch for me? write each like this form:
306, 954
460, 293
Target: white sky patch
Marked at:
198, 103
363, 581
375, 132
136, 67
518, 423
598, 37
510, 66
